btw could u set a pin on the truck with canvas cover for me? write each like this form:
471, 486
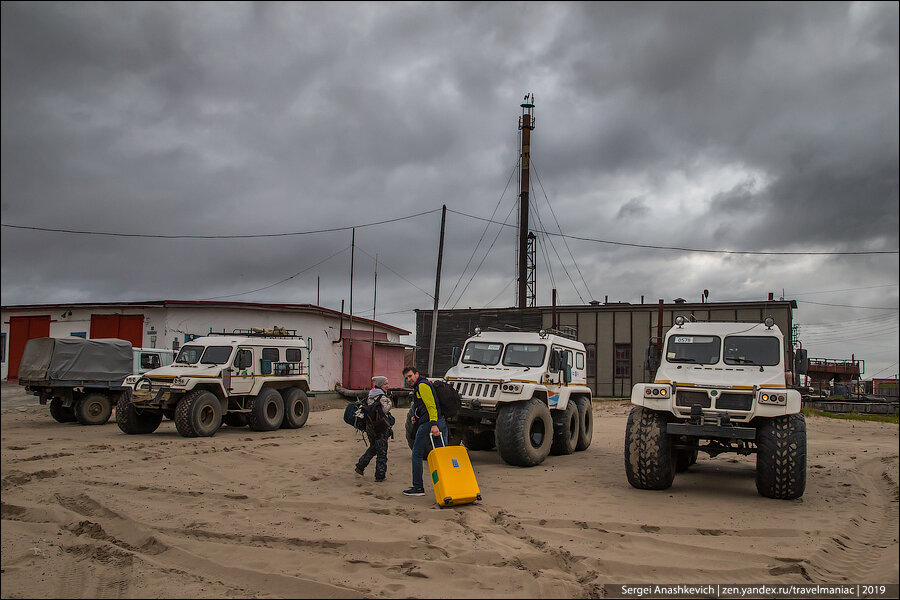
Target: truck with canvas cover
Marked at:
257, 377
524, 393
81, 379
720, 387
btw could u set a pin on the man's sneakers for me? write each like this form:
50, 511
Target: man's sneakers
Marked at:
359, 470
414, 491
379, 479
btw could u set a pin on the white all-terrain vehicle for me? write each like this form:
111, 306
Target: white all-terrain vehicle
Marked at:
720, 387
525, 393
247, 377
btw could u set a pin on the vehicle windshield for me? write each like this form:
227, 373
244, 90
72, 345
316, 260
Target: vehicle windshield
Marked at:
216, 355
189, 355
524, 355
698, 349
747, 350
482, 353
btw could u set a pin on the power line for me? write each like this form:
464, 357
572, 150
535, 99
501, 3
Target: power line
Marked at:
632, 245
849, 305
278, 282
383, 264
216, 237
475, 249
552, 212
482, 258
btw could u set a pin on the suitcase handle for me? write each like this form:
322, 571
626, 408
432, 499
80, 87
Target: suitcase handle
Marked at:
432, 436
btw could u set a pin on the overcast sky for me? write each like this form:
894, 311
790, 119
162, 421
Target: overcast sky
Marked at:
761, 127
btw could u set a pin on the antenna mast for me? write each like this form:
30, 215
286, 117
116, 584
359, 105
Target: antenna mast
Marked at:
526, 266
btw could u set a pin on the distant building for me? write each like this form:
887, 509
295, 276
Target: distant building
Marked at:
170, 323
615, 335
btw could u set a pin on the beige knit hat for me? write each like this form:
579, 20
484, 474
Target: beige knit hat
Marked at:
379, 380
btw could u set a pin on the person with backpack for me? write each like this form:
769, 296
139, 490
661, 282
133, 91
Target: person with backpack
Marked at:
377, 409
428, 421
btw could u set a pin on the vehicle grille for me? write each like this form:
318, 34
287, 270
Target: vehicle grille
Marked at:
683, 398
475, 389
735, 401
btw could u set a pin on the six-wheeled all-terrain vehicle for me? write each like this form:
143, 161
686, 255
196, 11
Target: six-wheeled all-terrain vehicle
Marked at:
81, 379
254, 377
720, 387
524, 393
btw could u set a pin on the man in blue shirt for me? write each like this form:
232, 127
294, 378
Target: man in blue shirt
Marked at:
428, 421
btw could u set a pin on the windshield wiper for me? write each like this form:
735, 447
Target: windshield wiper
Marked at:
684, 360
740, 360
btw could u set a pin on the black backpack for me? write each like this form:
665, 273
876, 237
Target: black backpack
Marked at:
447, 397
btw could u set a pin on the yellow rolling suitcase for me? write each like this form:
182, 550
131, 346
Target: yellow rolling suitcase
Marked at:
452, 475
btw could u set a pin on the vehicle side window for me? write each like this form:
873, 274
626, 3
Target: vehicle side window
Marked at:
293, 355
243, 357
579, 360
149, 360
270, 354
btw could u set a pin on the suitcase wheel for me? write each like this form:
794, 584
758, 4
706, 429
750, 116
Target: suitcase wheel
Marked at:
448, 501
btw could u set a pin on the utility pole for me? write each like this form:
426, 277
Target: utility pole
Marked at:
350, 335
526, 124
437, 293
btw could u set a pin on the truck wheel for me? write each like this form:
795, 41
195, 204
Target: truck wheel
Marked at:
296, 408
524, 433
235, 419
63, 414
585, 423
482, 440
781, 457
266, 410
93, 409
131, 420
684, 459
198, 414
649, 458
565, 430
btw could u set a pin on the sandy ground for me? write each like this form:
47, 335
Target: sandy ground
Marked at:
92, 512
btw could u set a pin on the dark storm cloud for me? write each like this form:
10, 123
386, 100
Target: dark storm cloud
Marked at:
743, 126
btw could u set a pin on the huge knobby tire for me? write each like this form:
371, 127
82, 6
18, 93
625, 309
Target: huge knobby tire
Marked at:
94, 409
565, 429
781, 457
296, 408
266, 410
135, 421
482, 440
524, 433
649, 458
62, 414
684, 459
198, 414
585, 423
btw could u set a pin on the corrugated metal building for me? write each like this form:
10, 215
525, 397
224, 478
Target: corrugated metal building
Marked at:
615, 335
169, 323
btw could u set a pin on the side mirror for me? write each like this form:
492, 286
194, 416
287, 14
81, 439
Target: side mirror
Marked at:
454, 355
801, 361
554, 361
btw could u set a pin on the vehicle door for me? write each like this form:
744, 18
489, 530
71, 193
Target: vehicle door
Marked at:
149, 361
242, 371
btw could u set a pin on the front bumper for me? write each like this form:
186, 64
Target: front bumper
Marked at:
712, 431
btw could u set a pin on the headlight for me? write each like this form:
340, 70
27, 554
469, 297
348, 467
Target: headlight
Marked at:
772, 398
132, 379
656, 391
179, 381
512, 388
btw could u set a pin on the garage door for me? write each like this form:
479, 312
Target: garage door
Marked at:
22, 329
125, 327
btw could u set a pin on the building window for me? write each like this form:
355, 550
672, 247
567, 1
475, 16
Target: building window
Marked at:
81, 334
591, 360
623, 360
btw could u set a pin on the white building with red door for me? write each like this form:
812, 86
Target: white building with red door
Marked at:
376, 347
